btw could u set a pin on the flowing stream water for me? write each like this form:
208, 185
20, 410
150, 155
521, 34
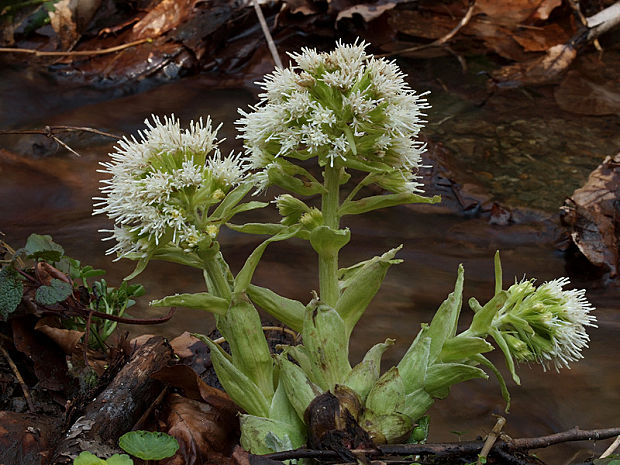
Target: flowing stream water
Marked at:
519, 148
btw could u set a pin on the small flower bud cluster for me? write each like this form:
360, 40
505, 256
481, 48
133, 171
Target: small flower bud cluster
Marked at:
344, 107
545, 324
163, 185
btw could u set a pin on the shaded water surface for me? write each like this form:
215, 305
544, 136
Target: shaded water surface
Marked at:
521, 157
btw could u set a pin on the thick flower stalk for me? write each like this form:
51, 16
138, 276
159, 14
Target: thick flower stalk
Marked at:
165, 187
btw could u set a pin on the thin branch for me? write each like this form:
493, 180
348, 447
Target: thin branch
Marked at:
442, 40
610, 450
20, 380
491, 438
40, 53
458, 448
270, 43
51, 131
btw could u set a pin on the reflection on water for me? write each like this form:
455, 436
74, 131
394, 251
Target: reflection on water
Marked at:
51, 195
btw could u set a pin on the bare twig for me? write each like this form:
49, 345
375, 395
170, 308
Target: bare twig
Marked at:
53, 131
50, 131
40, 53
610, 450
442, 40
270, 43
20, 380
491, 438
459, 448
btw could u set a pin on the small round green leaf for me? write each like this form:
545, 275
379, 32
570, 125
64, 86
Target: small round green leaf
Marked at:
11, 290
148, 445
56, 292
86, 458
43, 248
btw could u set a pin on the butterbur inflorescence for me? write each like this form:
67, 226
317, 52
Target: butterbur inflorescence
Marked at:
545, 324
345, 107
164, 184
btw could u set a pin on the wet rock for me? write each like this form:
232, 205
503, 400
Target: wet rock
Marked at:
592, 215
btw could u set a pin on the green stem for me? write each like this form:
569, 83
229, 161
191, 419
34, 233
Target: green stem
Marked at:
328, 262
218, 278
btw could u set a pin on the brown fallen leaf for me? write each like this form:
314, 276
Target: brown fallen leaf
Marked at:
541, 38
192, 352
49, 360
368, 11
509, 12
205, 436
66, 339
186, 379
593, 215
26, 439
167, 15
70, 18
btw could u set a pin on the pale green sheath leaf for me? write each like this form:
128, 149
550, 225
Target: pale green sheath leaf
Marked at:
241, 389
288, 311
417, 403
244, 207
325, 339
375, 202
360, 287
443, 325
242, 328
388, 393
243, 279
266, 435
328, 241
392, 427
483, 318
441, 376
174, 254
300, 354
289, 176
463, 347
364, 375
413, 365
200, 300
299, 389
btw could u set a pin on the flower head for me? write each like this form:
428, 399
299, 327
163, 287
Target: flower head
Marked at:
163, 185
344, 107
546, 324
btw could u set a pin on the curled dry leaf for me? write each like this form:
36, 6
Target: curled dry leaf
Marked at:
49, 360
167, 15
66, 339
192, 352
205, 436
593, 215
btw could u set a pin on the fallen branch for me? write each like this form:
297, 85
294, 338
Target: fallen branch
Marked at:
270, 43
103, 51
458, 448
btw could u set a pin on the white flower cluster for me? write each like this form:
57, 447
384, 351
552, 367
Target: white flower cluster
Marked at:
345, 107
163, 184
549, 320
